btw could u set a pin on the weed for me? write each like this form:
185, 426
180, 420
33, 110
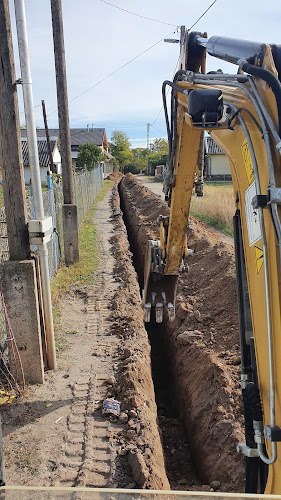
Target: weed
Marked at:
72, 332
60, 344
23, 457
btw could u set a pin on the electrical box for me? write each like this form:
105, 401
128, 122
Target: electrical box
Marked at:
40, 231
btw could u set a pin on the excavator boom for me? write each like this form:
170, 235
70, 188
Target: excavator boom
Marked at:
242, 112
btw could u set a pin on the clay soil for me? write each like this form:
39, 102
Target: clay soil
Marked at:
57, 435
202, 344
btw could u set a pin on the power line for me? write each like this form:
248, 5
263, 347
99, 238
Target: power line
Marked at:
175, 70
202, 15
162, 131
118, 69
138, 15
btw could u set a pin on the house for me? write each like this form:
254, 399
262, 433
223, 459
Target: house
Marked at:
44, 158
81, 136
159, 172
216, 162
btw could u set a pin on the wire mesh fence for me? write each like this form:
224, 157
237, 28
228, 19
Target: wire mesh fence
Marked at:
86, 187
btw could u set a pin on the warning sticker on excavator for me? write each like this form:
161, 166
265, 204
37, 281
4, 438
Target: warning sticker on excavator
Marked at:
259, 258
252, 216
248, 161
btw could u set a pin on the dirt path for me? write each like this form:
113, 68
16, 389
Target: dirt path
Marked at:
149, 183
57, 435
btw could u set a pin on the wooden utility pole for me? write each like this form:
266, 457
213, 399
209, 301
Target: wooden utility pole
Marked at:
10, 141
17, 275
52, 168
69, 209
63, 113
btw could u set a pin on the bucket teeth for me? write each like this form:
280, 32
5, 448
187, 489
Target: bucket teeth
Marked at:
159, 312
171, 312
147, 312
153, 297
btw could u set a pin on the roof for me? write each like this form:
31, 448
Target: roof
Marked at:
44, 158
78, 136
212, 148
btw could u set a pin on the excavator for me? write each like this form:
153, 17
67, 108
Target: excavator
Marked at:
242, 113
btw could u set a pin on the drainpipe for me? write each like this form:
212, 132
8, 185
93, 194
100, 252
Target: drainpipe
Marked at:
41, 222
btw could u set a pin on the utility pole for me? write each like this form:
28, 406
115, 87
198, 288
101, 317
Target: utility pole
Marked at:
17, 275
42, 251
147, 145
52, 168
11, 154
69, 209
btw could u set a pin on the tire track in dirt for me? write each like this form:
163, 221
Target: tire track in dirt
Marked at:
89, 455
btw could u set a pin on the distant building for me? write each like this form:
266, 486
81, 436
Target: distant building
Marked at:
159, 171
80, 137
216, 162
44, 158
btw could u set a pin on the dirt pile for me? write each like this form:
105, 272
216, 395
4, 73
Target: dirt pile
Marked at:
115, 176
203, 342
134, 383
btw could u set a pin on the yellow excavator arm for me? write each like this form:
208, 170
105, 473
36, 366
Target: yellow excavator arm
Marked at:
242, 112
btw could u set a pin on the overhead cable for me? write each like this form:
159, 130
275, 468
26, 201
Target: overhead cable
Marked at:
138, 15
205, 12
175, 70
118, 69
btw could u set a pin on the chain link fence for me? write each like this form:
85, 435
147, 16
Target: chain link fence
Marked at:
86, 187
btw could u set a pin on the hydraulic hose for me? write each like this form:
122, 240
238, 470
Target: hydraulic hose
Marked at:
271, 81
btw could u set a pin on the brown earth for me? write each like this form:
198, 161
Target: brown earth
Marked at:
57, 435
203, 342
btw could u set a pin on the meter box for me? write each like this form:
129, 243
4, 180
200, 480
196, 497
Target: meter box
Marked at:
40, 231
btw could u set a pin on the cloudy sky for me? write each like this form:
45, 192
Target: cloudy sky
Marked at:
99, 39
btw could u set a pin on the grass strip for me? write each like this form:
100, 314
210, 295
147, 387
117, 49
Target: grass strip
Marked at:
216, 208
81, 273
216, 223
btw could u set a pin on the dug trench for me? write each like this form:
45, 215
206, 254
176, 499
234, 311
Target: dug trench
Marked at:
195, 359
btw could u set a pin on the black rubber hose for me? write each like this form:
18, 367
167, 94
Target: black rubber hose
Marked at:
271, 81
166, 112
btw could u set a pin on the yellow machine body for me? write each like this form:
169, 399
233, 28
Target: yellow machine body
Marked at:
173, 235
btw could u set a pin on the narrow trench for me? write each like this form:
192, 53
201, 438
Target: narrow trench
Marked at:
180, 469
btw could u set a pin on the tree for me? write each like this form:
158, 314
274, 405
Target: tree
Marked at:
160, 146
119, 147
88, 155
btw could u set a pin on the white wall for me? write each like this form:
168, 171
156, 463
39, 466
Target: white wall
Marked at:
219, 165
43, 174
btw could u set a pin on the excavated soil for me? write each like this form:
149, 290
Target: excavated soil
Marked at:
176, 431
202, 346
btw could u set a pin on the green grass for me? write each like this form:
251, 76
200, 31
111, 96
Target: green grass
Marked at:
1, 197
216, 208
81, 273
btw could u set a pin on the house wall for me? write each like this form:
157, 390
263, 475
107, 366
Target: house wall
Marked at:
43, 174
57, 160
218, 165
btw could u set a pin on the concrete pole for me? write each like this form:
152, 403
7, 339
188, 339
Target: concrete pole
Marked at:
69, 209
35, 176
18, 275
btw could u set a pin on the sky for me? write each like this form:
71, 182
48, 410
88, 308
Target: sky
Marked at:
100, 39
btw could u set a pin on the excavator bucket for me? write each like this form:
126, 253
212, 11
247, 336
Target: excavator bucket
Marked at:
159, 293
